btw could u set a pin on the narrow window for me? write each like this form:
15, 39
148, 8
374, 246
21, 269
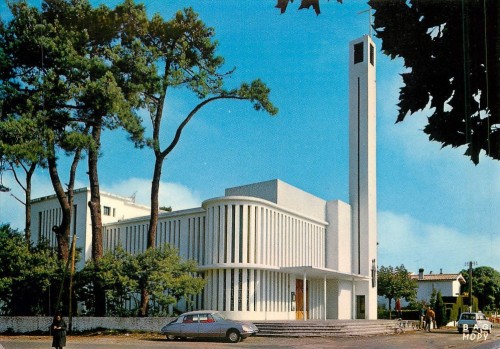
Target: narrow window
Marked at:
240, 289
231, 297
40, 232
358, 53
233, 232
372, 55
75, 214
240, 233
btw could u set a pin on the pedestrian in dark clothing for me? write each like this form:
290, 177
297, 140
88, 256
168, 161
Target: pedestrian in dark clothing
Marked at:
58, 331
421, 325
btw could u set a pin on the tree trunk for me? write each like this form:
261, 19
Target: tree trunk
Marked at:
95, 197
390, 310
27, 205
62, 230
143, 310
27, 195
153, 223
95, 216
155, 206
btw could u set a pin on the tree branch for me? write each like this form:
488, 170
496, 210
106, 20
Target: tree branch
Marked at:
190, 116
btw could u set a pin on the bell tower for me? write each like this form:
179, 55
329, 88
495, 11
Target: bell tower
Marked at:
362, 172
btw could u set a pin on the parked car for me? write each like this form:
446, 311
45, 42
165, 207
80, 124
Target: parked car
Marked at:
473, 321
208, 323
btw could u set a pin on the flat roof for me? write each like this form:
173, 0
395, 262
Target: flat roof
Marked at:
311, 271
324, 272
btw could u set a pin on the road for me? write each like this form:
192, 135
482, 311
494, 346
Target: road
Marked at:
446, 339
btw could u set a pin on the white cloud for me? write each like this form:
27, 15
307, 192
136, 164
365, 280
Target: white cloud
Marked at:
406, 240
176, 195
11, 210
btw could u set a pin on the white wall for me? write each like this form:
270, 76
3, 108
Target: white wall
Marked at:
338, 253
345, 311
27, 324
48, 209
285, 195
448, 288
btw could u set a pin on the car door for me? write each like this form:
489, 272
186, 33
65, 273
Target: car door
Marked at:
174, 327
189, 326
209, 327
482, 322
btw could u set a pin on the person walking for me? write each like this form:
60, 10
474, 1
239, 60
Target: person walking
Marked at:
398, 308
430, 316
421, 324
58, 331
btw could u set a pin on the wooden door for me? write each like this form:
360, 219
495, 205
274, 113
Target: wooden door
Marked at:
301, 311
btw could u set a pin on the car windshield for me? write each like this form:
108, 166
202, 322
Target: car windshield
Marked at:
179, 319
468, 317
218, 317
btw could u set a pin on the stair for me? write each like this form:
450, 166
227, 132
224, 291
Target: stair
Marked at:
327, 328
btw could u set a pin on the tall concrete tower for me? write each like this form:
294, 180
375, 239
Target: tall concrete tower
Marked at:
362, 172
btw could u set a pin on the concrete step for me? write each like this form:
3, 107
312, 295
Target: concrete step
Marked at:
327, 328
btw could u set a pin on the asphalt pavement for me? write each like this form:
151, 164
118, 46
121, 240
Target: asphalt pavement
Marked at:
446, 339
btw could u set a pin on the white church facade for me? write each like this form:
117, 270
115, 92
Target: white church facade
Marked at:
268, 250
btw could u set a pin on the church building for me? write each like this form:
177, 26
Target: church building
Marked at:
268, 250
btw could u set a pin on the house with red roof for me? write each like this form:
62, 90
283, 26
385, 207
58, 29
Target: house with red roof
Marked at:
448, 284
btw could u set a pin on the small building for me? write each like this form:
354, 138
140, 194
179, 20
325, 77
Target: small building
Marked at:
46, 213
448, 284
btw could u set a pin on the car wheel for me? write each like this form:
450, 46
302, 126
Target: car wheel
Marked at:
171, 337
233, 336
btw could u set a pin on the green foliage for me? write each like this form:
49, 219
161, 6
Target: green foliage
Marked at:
440, 310
161, 271
415, 304
179, 53
432, 300
461, 305
453, 74
485, 286
26, 275
395, 282
165, 276
304, 4
113, 271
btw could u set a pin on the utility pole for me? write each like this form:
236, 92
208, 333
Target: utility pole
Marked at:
72, 271
471, 263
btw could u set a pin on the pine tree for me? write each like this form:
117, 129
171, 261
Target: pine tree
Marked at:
440, 310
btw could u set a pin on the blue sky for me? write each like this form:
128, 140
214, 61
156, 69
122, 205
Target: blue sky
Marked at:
436, 210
